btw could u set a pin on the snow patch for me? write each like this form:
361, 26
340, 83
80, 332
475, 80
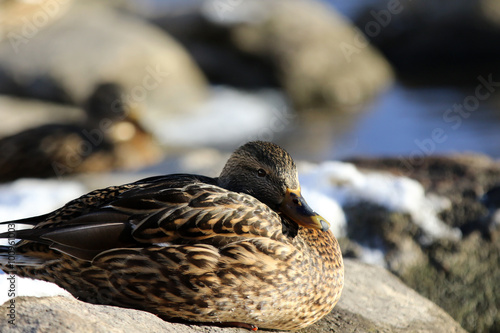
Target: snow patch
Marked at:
327, 207
229, 116
28, 287
373, 256
31, 197
235, 12
344, 183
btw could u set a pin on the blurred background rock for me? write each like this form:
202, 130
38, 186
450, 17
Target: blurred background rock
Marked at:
386, 85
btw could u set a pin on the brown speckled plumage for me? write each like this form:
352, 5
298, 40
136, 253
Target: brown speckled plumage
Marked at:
185, 248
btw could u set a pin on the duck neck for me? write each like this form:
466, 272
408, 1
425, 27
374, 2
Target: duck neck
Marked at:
322, 247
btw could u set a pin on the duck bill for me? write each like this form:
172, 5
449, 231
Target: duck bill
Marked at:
295, 207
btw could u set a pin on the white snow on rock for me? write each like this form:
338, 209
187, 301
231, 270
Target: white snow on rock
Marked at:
25, 198
229, 116
373, 256
326, 206
30, 197
344, 183
20, 286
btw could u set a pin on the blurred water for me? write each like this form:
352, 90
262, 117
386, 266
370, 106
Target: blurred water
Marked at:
402, 121
350, 8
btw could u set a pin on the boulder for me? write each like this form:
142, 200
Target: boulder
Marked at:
373, 300
448, 41
462, 178
460, 275
61, 50
318, 58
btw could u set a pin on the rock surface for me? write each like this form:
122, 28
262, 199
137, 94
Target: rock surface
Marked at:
303, 46
60, 52
461, 275
373, 300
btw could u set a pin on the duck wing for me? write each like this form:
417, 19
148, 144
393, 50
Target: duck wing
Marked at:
175, 209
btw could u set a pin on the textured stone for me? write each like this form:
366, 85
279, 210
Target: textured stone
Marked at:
373, 301
462, 276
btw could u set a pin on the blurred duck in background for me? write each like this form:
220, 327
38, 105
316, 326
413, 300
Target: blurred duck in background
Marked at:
111, 138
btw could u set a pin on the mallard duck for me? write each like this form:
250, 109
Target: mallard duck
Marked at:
243, 249
110, 138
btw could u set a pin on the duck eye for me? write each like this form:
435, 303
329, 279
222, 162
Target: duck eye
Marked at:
261, 173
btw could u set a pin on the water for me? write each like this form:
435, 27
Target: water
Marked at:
403, 120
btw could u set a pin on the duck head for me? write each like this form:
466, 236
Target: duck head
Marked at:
267, 172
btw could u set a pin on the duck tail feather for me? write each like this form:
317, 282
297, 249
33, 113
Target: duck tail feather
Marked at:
34, 220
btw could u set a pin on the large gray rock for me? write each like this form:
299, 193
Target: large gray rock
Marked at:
305, 47
60, 50
460, 275
373, 301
